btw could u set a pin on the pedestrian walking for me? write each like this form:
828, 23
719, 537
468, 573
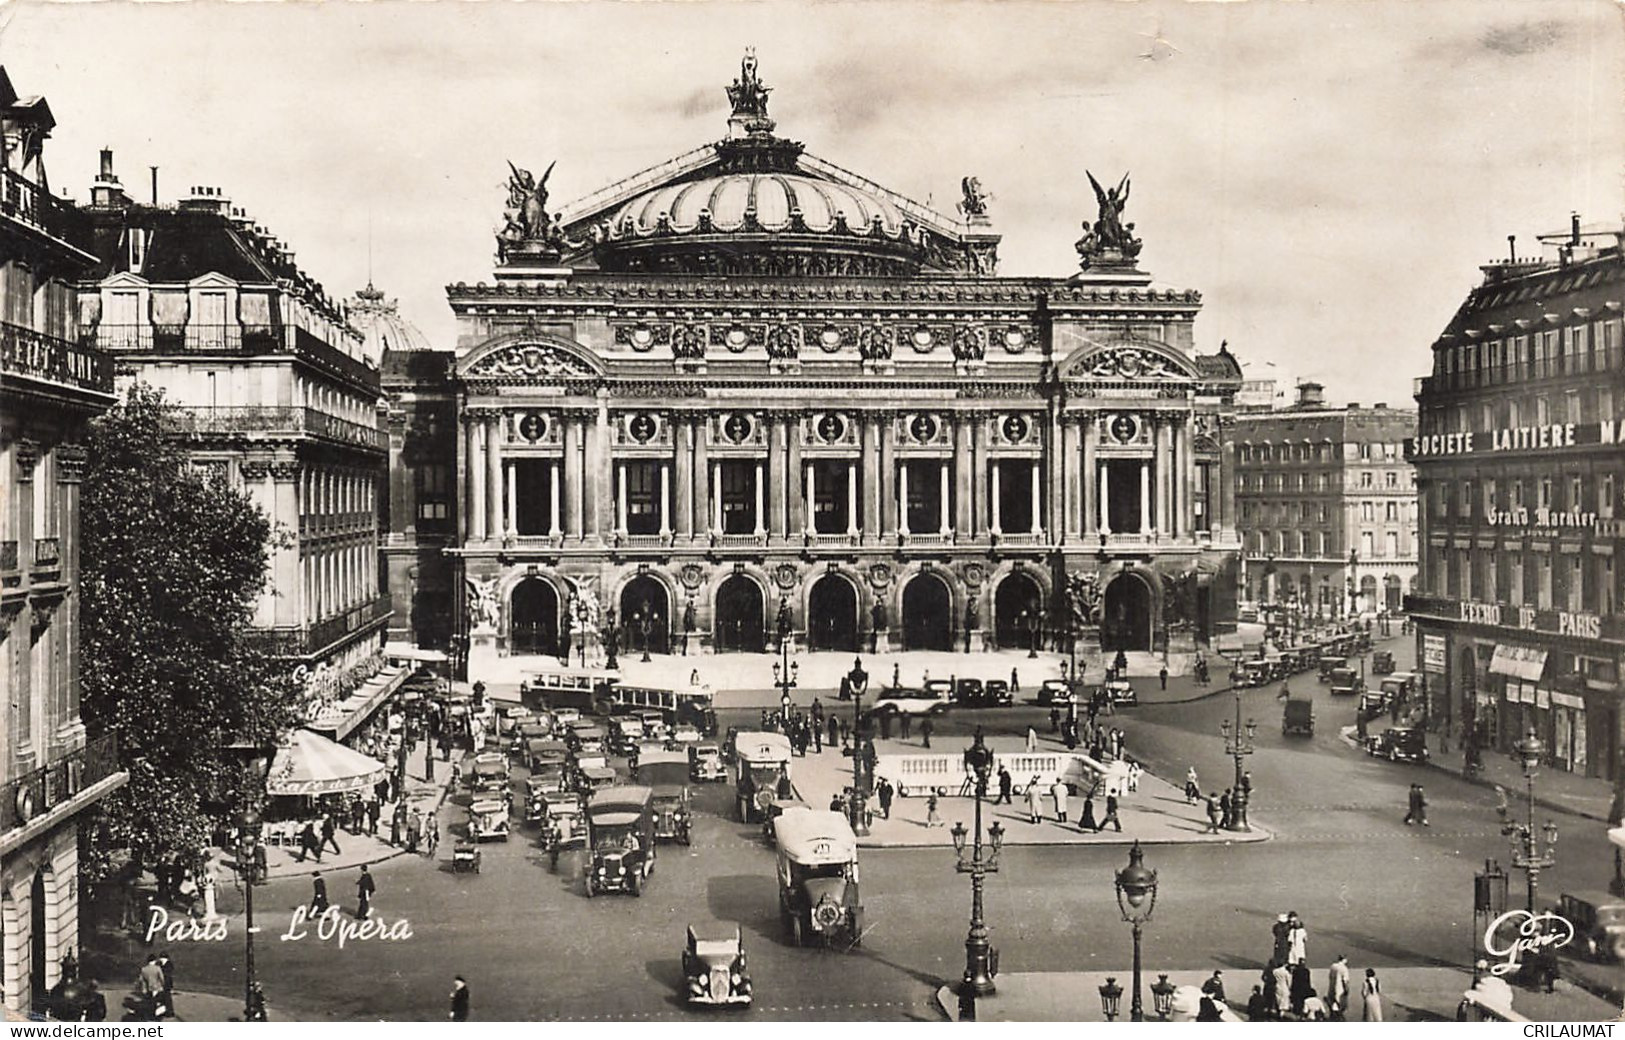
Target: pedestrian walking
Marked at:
906, 726
365, 889
1086, 822
1193, 791
1279, 931
1214, 815
833, 726
330, 834
1337, 988
167, 967
431, 831
1111, 816
925, 732
1015, 682
373, 809
1297, 937
1034, 812
1419, 806
1162, 676
931, 817
1226, 819
459, 999
1282, 979
1055, 720
309, 843
1059, 793
1032, 740
1214, 986
151, 982
1302, 988
1004, 787
318, 894
885, 791
1371, 997
397, 823
1132, 784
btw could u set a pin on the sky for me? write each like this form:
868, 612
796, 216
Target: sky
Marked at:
1328, 174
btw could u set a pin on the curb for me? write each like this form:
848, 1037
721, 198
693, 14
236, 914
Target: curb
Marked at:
1253, 837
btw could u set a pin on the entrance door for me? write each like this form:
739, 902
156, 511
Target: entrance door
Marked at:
928, 621
645, 599
1126, 622
1016, 604
36, 939
740, 616
535, 614
832, 615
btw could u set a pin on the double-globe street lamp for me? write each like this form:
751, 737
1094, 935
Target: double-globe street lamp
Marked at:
857, 681
981, 959
1528, 854
1238, 744
1136, 898
785, 671
248, 840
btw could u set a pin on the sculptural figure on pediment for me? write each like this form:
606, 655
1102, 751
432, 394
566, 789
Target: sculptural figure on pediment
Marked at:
1108, 241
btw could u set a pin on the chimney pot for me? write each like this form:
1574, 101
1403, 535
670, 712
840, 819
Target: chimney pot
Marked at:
1512, 249
107, 163
1574, 228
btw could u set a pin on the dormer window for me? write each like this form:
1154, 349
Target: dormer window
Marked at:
136, 241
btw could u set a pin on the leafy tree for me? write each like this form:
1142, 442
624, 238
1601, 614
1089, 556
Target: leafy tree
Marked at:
172, 560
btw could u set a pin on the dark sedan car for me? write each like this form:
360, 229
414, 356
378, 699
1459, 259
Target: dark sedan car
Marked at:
996, 693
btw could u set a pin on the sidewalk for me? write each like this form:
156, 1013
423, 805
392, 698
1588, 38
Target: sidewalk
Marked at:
1155, 815
1409, 995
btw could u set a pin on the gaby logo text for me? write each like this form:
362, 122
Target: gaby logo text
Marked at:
1519, 932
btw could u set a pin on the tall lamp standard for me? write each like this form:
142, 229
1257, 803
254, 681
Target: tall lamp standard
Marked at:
1238, 744
1136, 889
1528, 855
1354, 592
981, 959
785, 670
1033, 622
857, 681
646, 624
248, 839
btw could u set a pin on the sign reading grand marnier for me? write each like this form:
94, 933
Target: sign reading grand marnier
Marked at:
1516, 438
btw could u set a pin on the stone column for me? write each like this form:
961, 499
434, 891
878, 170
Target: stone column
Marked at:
716, 498
1225, 513
685, 477
964, 477
810, 477
1091, 468
800, 510
942, 501
871, 478
554, 528
665, 500
1105, 499
996, 525
477, 477
513, 502
1186, 518
1038, 498
981, 511
574, 477
1145, 496
890, 520
1077, 500
600, 457
851, 500
473, 500
493, 474
776, 477
902, 499
1053, 471
759, 490
703, 488
620, 498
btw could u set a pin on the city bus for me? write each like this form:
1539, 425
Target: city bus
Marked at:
585, 689
692, 705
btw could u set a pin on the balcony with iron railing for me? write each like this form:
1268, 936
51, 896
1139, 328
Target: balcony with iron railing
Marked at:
310, 640
27, 353
241, 419
54, 786
1520, 372
29, 203
232, 338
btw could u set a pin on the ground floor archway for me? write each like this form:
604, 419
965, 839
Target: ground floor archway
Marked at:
1393, 594
740, 616
832, 615
1126, 621
1016, 603
1368, 593
37, 955
645, 616
534, 618
928, 614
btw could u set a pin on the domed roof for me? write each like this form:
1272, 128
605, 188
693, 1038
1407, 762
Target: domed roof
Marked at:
777, 201
381, 326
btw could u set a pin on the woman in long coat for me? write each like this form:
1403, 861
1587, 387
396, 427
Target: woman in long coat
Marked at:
1034, 809
1371, 997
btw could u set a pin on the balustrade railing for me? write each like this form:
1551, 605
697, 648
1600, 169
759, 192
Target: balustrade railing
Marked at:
278, 419
36, 793
23, 200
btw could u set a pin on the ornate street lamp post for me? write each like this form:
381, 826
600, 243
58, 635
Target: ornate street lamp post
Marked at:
1528, 854
612, 639
1354, 592
1162, 996
1111, 999
248, 839
1238, 744
645, 625
857, 681
1136, 898
785, 670
981, 959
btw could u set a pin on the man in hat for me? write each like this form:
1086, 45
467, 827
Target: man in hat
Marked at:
365, 889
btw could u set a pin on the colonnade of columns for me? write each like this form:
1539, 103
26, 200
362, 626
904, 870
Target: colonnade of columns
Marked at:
588, 489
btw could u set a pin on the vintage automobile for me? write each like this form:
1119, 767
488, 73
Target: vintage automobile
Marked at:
592, 773
564, 824
1403, 685
1599, 923
818, 877
654, 723
1121, 693
996, 694
585, 738
489, 774
763, 768
547, 759
565, 716
968, 692
625, 734
942, 689
1298, 717
666, 774
487, 819
510, 717
1053, 692
1254, 672
1346, 682
1399, 744
1382, 662
908, 701
778, 807
1374, 703
1329, 663
684, 734
531, 729
705, 764
621, 837
465, 857
536, 791
714, 965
